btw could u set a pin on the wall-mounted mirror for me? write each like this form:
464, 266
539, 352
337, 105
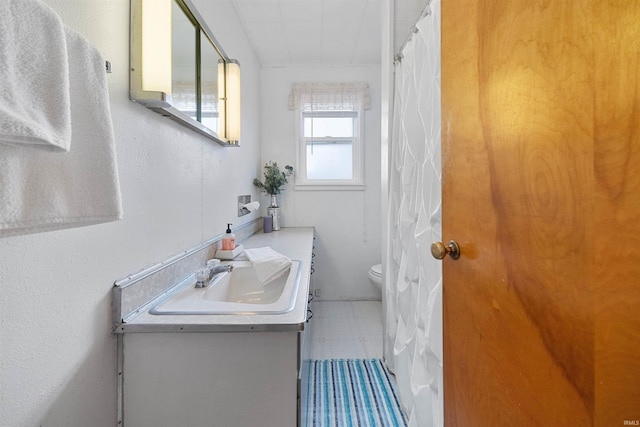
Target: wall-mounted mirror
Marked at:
179, 70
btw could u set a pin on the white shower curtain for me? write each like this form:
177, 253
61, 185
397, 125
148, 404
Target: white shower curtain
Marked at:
413, 341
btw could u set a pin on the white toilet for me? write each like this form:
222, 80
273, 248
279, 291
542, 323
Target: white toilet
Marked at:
375, 275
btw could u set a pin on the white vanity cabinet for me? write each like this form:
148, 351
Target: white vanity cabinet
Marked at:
239, 370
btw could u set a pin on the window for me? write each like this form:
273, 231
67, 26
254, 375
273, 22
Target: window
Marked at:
330, 143
329, 139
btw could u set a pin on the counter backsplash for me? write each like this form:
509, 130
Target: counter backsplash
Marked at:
134, 291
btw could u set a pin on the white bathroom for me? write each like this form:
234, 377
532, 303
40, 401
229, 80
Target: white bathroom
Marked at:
178, 189
365, 248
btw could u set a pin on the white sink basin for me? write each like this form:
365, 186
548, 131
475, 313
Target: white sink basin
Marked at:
237, 292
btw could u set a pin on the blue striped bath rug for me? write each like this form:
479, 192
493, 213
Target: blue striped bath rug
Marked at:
346, 393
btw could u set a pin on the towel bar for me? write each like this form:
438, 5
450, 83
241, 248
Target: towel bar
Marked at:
107, 66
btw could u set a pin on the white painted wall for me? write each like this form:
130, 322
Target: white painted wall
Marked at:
348, 223
57, 355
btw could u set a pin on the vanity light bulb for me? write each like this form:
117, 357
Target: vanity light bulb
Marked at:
156, 36
233, 97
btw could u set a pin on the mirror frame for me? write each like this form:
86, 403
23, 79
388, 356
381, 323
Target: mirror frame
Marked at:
160, 102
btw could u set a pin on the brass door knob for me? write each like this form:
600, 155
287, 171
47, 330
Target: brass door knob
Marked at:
439, 250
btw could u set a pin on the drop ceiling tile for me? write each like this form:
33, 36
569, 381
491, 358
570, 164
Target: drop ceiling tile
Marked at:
267, 32
269, 42
301, 10
373, 13
338, 43
303, 32
304, 41
336, 33
368, 44
298, 33
259, 10
344, 10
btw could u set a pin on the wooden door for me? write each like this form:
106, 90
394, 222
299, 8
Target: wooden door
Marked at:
541, 189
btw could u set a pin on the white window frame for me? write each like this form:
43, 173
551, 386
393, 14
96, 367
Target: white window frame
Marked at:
357, 180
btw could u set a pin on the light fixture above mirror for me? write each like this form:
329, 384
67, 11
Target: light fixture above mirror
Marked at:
179, 70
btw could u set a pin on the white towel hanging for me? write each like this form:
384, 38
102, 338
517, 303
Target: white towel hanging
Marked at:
34, 76
43, 190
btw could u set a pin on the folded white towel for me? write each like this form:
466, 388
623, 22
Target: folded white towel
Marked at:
42, 190
268, 263
252, 206
34, 77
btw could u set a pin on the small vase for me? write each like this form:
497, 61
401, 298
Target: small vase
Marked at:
274, 201
274, 211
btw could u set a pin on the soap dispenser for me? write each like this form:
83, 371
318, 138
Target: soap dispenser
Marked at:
229, 240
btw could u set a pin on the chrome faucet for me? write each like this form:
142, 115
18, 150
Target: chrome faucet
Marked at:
209, 274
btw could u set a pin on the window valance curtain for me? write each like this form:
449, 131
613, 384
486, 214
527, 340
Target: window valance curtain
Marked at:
184, 96
329, 96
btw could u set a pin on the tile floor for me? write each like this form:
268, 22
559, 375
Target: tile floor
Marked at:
345, 330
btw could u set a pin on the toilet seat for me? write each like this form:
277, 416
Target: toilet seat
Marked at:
376, 271
375, 275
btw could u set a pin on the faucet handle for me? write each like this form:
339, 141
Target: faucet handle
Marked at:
202, 274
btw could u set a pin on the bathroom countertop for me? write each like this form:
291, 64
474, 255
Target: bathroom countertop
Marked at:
296, 243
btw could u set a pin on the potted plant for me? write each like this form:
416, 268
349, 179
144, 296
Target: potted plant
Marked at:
274, 179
